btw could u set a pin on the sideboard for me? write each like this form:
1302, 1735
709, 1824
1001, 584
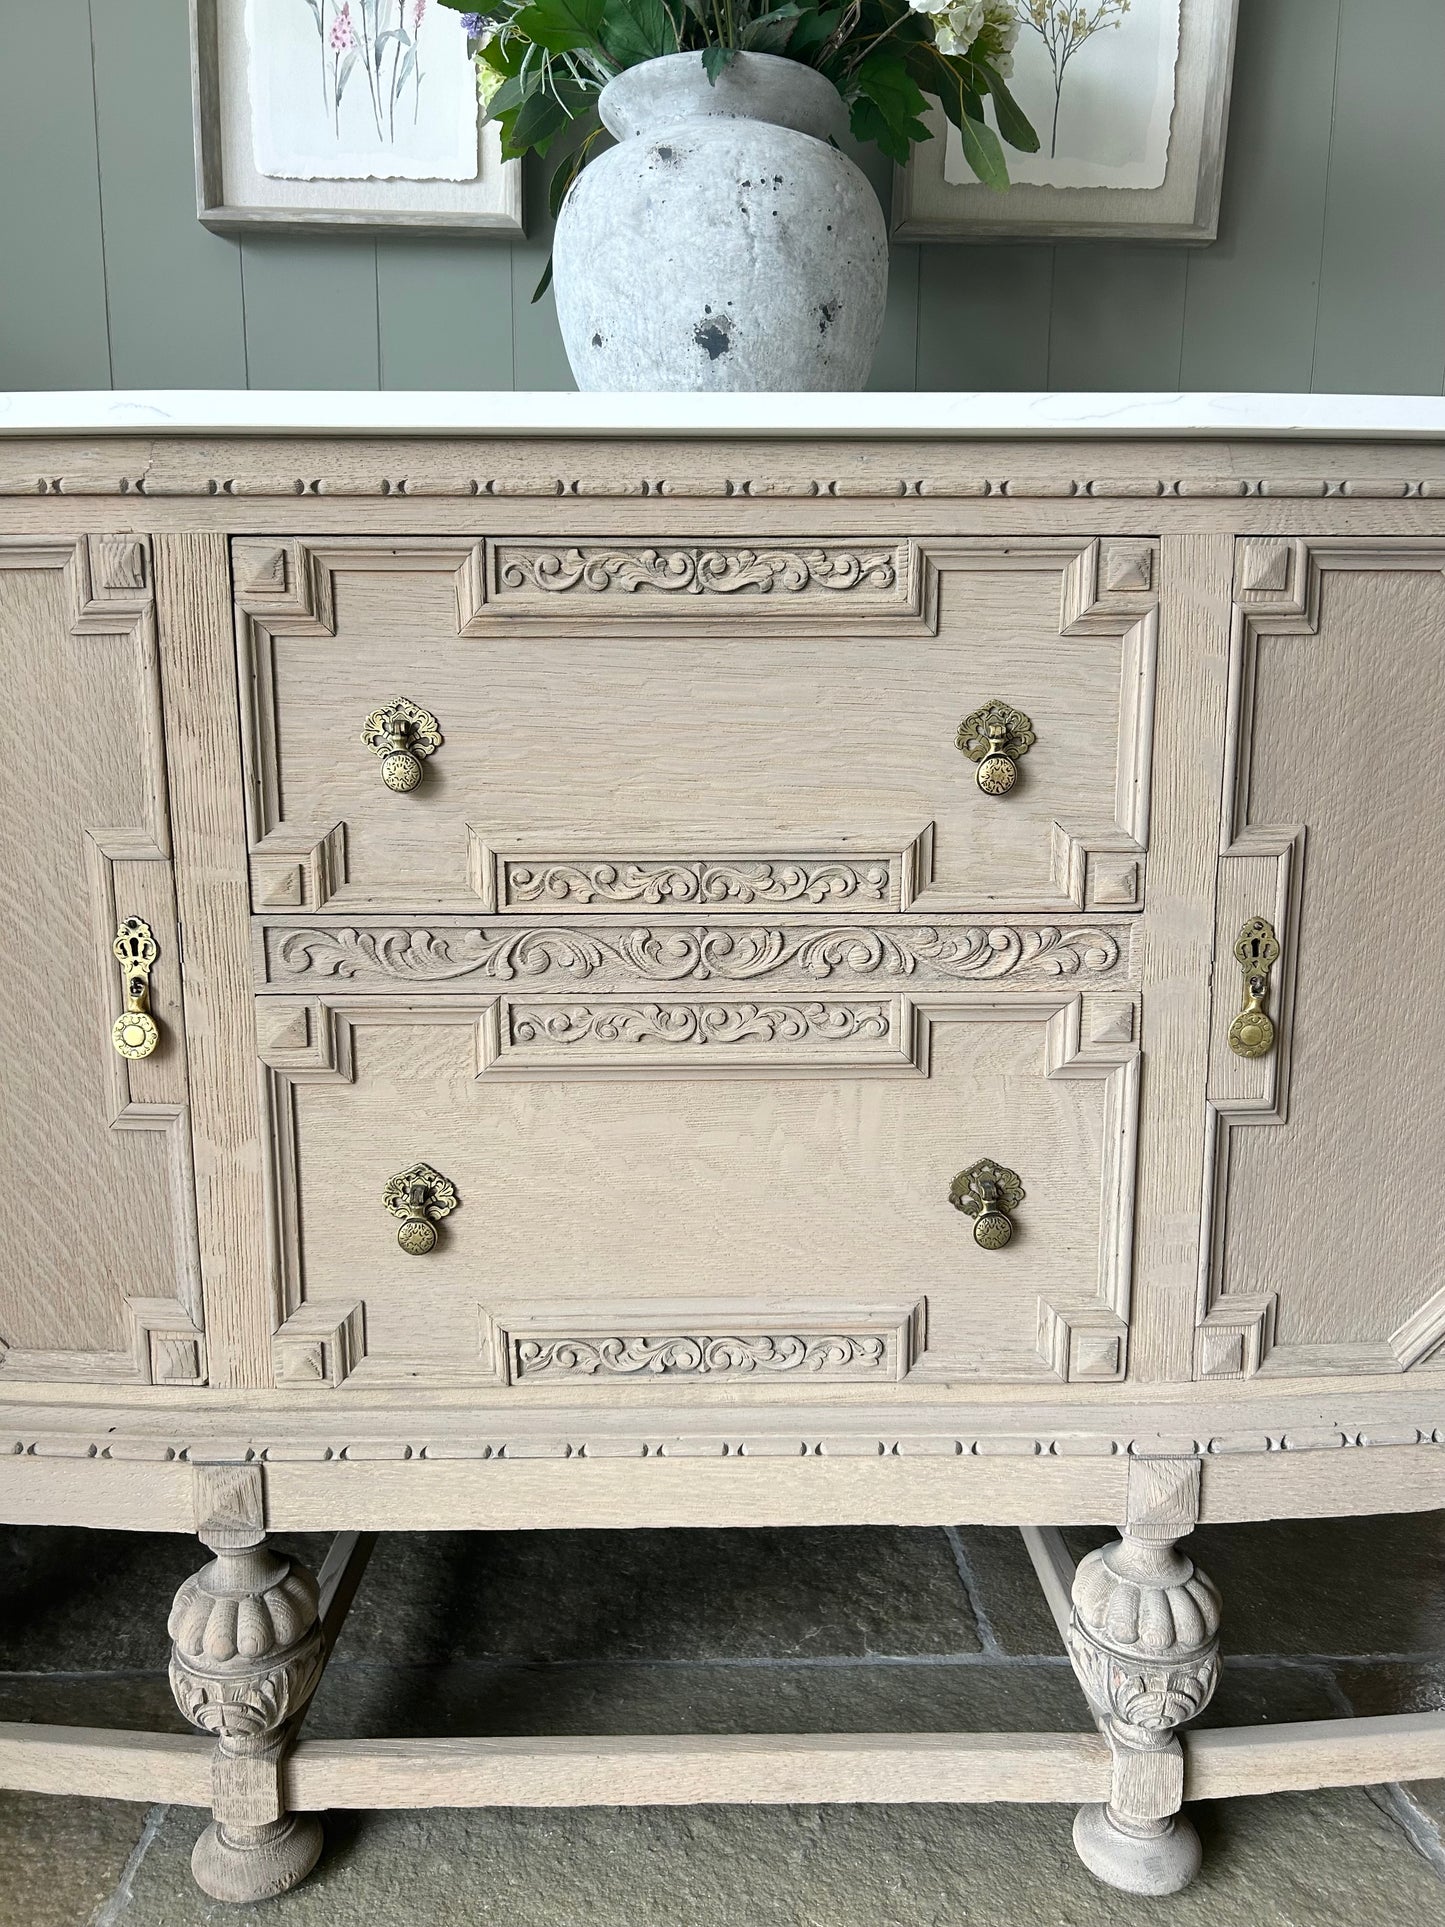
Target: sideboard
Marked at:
653, 964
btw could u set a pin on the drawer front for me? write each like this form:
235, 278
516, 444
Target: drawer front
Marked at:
705, 1179
100, 1282
675, 727
1327, 1160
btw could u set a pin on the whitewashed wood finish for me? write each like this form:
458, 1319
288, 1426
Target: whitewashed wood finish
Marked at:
114, 1293
702, 1112
1331, 1140
694, 723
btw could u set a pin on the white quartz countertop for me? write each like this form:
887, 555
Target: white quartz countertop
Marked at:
200, 411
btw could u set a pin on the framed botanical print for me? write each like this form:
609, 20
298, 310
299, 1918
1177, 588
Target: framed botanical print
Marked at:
1130, 100
354, 114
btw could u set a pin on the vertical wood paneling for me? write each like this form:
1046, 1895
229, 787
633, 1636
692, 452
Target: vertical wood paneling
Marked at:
1252, 297
1117, 316
52, 271
983, 316
538, 358
445, 313
1382, 276
1329, 271
173, 288
310, 312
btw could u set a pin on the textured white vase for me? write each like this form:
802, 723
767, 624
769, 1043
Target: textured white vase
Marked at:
723, 244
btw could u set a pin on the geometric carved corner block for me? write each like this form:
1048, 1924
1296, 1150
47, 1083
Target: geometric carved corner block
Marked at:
1273, 578
1107, 582
1235, 1338
167, 1347
319, 1345
299, 875
307, 1040
1087, 1344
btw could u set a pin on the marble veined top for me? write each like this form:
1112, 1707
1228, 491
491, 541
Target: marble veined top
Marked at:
202, 411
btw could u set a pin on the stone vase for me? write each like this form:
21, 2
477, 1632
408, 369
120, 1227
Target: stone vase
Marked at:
723, 244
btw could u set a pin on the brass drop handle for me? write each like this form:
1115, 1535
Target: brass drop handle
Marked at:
403, 735
1257, 952
420, 1198
995, 737
988, 1193
135, 1033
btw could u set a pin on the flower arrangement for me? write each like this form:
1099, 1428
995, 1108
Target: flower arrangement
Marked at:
542, 63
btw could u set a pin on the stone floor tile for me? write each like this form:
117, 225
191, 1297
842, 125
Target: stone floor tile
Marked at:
805, 1592
507, 1698
61, 1859
1329, 1859
73, 1600
138, 1702
1005, 1590
1395, 1688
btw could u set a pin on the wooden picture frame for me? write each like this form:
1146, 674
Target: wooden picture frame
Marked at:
232, 196
1183, 208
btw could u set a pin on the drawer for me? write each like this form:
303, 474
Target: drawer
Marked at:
669, 726
693, 1186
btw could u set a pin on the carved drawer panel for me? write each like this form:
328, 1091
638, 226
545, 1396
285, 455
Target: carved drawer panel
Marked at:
691, 1184
1326, 1157
576, 728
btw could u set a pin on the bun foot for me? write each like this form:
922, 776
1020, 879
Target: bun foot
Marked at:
1156, 1857
256, 1863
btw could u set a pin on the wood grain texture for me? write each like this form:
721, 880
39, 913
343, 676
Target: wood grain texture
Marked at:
1188, 734
209, 836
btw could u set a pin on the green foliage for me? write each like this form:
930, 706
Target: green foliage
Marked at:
542, 64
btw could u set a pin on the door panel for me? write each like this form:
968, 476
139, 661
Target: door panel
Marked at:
1328, 1159
101, 1276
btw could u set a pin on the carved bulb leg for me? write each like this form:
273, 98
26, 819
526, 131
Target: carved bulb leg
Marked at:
246, 1655
1144, 1640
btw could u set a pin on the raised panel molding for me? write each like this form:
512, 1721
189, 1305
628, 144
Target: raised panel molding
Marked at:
624, 955
1277, 590
108, 584
749, 1340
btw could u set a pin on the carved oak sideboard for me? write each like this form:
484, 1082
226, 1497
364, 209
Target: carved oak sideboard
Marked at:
733, 978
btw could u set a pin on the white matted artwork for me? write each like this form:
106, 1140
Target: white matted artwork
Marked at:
1129, 99
354, 114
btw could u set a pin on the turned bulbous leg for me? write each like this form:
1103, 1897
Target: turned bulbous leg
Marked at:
1144, 1640
246, 1655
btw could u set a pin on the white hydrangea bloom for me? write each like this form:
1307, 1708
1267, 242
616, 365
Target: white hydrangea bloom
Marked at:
961, 26
930, 6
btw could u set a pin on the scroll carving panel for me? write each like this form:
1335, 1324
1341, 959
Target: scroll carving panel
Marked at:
1326, 1151
685, 727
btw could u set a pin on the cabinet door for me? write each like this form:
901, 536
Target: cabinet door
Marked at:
1327, 1157
100, 1280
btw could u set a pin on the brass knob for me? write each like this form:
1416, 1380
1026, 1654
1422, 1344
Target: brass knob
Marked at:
419, 1197
402, 735
1257, 952
988, 1193
135, 1033
995, 737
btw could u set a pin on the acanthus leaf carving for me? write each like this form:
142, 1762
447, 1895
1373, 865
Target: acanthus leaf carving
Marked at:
704, 880
696, 571
700, 953
696, 1023
688, 1355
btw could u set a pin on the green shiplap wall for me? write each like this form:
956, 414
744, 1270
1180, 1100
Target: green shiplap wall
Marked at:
1329, 272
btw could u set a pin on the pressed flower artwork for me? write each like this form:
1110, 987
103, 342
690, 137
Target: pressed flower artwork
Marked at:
1097, 79
361, 90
